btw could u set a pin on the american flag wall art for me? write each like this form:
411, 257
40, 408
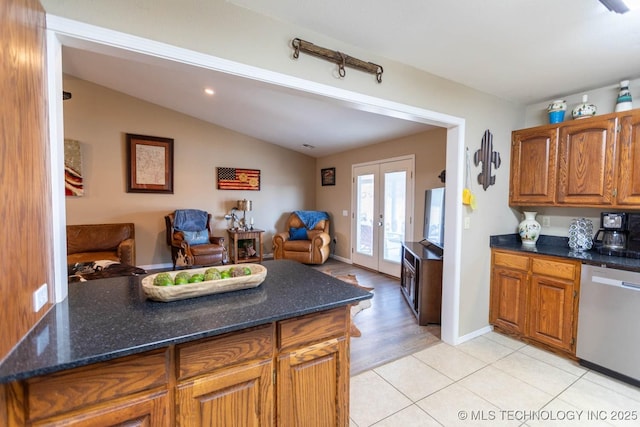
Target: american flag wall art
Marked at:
238, 179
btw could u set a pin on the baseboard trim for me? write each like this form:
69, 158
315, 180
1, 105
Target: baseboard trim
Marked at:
473, 334
341, 259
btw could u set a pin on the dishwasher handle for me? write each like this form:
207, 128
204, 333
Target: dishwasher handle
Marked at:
617, 283
631, 286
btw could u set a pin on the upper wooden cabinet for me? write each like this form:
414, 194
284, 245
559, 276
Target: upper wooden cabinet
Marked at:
588, 162
533, 166
586, 158
629, 160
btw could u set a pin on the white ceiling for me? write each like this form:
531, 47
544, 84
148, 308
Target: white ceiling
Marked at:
525, 51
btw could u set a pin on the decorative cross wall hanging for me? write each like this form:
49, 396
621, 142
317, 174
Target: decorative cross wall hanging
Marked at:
487, 156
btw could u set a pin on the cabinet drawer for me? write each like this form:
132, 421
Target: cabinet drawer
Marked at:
312, 328
208, 355
409, 259
559, 269
503, 259
76, 388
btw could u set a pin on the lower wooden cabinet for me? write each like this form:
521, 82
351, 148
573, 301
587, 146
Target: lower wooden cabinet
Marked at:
139, 411
509, 278
535, 297
238, 396
229, 380
313, 371
129, 391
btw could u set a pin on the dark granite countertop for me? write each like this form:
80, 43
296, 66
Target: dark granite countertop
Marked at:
108, 318
559, 246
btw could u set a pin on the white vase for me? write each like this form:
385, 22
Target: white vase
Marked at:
623, 103
529, 229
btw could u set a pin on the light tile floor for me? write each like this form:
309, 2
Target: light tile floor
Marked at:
491, 380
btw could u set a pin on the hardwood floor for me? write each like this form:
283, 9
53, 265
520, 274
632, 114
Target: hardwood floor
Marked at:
389, 328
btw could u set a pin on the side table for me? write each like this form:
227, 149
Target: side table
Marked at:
245, 245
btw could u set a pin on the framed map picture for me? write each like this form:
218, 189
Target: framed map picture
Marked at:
149, 164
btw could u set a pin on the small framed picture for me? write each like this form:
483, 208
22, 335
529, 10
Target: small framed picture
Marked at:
328, 176
149, 164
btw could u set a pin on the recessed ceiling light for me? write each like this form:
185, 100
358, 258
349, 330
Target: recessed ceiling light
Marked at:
209, 91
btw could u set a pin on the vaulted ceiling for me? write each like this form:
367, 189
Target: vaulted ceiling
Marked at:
524, 51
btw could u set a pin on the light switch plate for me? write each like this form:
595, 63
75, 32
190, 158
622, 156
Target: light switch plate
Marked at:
40, 297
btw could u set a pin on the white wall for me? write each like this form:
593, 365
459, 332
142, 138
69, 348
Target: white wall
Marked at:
99, 118
218, 28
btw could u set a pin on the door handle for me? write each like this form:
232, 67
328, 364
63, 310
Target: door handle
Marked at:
380, 221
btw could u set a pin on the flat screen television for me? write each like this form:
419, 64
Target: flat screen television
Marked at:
433, 232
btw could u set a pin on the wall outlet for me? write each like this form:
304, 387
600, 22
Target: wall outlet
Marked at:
40, 297
345, 213
546, 221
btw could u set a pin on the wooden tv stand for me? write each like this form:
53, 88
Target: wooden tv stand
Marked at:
421, 281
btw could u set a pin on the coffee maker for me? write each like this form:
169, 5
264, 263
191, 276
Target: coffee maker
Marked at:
611, 239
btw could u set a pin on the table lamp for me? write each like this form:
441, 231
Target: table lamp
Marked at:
244, 205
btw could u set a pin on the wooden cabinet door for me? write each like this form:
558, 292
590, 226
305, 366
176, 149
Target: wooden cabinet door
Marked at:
553, 302
508, 306
408, 284
586, 159
628, 190
240, 396
142, 411
551, 311
533, 166
313, 385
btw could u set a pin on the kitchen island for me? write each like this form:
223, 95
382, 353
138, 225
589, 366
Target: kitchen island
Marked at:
116, 355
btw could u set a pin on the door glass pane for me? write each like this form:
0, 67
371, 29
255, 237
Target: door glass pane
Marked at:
364, 215
394, 214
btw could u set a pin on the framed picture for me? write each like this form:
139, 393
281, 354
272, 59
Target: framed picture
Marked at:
328, 176
238, 179
149, 164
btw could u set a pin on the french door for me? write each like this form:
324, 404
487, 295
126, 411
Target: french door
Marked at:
382, 214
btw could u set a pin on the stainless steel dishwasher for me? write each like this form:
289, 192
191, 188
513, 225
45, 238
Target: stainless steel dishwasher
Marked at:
609, 322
